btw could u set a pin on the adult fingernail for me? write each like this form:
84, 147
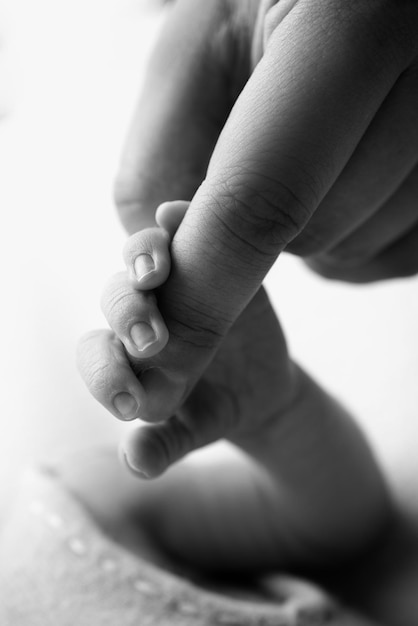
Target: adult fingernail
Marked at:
138, 472
143, 265
143, 335
126, 405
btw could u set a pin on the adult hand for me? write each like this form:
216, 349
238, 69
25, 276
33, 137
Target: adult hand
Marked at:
308, 113
336, 79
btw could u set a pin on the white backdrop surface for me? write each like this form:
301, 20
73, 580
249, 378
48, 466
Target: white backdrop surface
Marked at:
69, 77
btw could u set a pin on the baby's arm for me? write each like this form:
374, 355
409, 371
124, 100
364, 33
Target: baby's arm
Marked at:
303, 493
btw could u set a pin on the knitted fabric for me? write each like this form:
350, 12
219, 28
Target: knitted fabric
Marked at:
57, 568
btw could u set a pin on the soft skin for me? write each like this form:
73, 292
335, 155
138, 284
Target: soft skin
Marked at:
319, 493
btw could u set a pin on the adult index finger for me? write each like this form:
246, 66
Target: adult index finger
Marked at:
326, 70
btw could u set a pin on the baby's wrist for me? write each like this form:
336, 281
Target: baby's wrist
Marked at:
288, 400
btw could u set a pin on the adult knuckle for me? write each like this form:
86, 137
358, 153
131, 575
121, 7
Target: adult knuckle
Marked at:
197, 329
264, 212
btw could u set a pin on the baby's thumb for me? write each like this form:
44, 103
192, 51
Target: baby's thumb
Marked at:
206, 417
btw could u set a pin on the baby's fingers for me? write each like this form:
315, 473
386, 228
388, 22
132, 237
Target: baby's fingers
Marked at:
105, 369
134, 317
169, 215
147, 258
147, 252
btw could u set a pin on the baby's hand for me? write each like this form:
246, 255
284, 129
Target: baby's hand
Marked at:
128, 301
308, 449
250, 380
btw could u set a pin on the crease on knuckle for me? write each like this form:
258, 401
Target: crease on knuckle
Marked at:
264, 213
198, 329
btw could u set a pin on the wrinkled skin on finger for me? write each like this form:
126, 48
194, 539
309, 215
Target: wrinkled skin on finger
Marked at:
184, 109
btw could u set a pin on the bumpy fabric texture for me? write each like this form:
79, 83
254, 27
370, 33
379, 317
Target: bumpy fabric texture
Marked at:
58, 569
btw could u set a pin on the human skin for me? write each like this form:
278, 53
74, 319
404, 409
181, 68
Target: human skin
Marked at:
287, 144
329, 139
145, 515
310, 490
316, 153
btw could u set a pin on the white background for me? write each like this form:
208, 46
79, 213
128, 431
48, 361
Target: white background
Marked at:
70, 72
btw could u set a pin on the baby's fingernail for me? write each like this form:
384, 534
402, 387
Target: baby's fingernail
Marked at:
143, 335
144, 264
126, 405
138, 472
